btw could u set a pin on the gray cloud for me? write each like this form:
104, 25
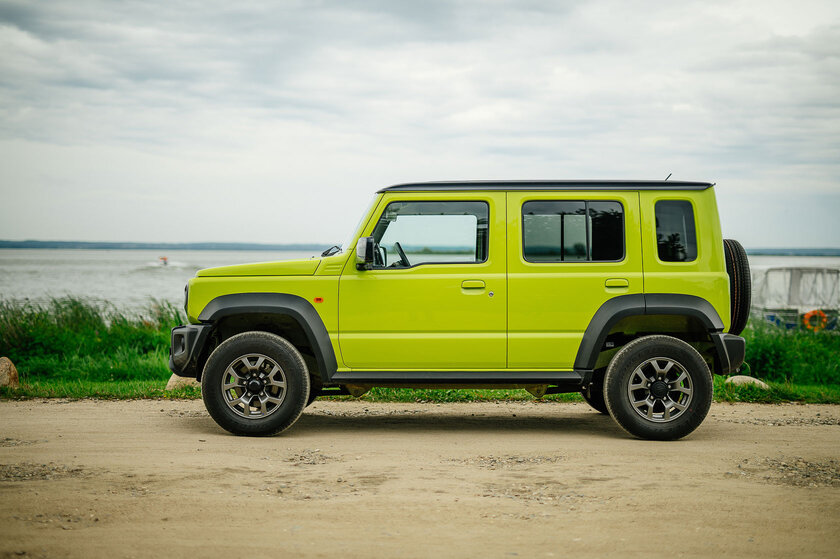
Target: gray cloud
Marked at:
294, 112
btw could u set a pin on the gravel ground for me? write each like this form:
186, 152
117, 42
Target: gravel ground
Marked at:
356, 479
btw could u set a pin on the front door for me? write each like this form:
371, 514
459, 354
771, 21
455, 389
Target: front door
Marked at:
437, 296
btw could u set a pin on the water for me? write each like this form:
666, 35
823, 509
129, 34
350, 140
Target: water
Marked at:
131, 279
128, 279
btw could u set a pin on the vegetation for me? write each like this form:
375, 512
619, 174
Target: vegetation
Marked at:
72, 348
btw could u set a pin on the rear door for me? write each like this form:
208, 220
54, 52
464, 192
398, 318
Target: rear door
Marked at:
445, 308
568, 253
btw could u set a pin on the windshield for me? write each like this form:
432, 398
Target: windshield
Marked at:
345, 246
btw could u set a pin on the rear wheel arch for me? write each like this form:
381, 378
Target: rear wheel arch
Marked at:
627, 317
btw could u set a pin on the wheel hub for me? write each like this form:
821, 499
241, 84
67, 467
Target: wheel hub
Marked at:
659, 389
255, 386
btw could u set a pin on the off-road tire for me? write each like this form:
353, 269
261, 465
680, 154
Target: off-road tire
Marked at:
278, 350
740, 285
631, 362
594, 393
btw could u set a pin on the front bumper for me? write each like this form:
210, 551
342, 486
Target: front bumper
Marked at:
185, 348
731, 350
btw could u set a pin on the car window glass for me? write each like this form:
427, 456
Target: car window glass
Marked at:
676, 238
572, 231
427, 232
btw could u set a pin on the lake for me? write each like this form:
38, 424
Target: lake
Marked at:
131, 279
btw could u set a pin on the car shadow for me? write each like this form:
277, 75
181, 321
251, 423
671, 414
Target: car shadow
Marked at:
593, 424
316, 423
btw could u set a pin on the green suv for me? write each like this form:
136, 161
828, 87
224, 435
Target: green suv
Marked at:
622, 290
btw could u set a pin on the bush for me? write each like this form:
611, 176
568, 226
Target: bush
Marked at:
793, 356
76, 339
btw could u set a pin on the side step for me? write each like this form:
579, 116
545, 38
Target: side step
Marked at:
500, 378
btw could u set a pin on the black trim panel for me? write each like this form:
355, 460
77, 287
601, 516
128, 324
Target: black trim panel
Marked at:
293, 306
640, 304
731, 350
691, 305
381, 378
185, 347
548, 185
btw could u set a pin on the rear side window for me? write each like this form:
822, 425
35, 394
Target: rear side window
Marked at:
676, 238
572, 231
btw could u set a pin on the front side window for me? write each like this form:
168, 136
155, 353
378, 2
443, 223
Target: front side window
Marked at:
676, 238
572, 231
412, 233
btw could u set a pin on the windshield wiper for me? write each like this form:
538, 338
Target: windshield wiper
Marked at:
335, 249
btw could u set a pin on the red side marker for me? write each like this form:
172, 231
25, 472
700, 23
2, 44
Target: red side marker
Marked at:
318, 299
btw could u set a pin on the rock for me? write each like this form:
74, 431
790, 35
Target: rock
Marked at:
743, 380
8, 373
176, 382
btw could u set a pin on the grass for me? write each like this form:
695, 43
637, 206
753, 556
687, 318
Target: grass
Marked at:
72, 348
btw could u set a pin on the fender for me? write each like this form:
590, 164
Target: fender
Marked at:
293, 306
640, 304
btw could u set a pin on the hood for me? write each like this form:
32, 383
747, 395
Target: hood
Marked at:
305, 267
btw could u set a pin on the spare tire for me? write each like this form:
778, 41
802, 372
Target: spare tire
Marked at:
740, 285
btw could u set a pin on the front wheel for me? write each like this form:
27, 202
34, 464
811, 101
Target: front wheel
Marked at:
255, 383
658, 387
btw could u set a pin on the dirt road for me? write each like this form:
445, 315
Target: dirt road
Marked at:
355, 479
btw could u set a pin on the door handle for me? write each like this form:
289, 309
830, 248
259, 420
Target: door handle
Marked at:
616, 282
472, 284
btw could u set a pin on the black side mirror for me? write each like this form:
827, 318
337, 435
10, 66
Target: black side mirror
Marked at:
364, 253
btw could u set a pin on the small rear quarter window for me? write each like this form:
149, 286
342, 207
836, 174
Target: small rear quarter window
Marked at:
676, 238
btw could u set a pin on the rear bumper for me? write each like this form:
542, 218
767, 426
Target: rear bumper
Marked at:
730, 352
185, 348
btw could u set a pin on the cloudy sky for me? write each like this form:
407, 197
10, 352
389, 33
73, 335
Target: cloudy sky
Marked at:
265, 121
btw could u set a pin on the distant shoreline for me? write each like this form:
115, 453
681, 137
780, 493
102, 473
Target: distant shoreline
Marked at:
89, 245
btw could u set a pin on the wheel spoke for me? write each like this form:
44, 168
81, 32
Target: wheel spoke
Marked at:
677, 405
232, 372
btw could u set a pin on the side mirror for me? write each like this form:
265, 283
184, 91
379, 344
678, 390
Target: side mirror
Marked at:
364, 253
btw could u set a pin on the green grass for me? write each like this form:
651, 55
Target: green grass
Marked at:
72, 348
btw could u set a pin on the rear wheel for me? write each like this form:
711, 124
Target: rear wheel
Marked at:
658, 387
255, 383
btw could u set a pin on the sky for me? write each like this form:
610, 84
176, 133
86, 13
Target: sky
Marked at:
275, 122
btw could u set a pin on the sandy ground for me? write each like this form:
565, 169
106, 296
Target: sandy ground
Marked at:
355, 479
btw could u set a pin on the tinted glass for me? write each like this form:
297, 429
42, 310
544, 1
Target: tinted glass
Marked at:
675, 235
572, 231
428, 232
554, 231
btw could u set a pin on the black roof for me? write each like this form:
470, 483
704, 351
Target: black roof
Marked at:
548, 185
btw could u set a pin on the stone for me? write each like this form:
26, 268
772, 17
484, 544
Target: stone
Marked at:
8, 373
743, 380
176, 382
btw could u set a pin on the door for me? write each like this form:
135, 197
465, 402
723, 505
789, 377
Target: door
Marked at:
436, 297
568, 253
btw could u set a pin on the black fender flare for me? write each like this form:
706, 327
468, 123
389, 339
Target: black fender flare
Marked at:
282, 304
640, 304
